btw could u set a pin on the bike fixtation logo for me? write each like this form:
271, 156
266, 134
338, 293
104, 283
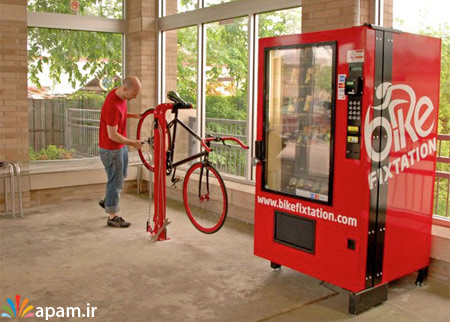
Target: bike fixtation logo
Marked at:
17, 310
416, 125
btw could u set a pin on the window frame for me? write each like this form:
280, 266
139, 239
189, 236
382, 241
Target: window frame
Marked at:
200, 18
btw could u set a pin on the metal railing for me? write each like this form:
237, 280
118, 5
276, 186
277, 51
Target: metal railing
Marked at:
82, 127
442, 182
231, 159
14, 171
82, 135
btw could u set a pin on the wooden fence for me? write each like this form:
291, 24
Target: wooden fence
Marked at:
47, 120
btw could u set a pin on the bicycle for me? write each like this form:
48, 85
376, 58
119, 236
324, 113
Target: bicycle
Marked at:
205, 197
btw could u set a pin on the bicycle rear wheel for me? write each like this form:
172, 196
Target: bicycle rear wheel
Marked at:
145, 132
205, 197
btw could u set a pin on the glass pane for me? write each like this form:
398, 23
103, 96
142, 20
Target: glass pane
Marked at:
180, 6
96, 8
181, 76
209, 3
279, 23
226, 91
298, 121
69, 75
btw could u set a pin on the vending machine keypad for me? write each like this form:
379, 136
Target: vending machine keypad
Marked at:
354, 90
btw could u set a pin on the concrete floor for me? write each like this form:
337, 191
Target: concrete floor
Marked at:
64, 255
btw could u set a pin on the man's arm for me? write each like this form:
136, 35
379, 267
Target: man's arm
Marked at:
119, 138
133, 116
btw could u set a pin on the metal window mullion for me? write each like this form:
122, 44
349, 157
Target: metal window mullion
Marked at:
255, 91
251, 39
161, 66
161, 8
378, 12
124, 55
161, 56
201, 97
73, 22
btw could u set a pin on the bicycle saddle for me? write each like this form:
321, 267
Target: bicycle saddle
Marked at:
177, 100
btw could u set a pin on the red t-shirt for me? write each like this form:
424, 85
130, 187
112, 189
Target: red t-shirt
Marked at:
114, 112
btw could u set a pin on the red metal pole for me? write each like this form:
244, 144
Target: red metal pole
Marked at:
159, 218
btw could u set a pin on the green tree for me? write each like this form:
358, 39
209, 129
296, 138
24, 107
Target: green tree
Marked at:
187, 63
442, 186
443, 32
62, 50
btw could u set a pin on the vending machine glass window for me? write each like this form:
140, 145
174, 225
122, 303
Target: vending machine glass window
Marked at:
299, 109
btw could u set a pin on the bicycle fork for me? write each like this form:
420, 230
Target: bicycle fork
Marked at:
200, 183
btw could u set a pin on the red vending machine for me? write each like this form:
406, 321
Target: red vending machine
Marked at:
346, 142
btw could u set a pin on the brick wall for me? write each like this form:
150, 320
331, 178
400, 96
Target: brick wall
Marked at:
89, 192
388, 20
319, 15
171, 61
13, 88
141, 53
13, 81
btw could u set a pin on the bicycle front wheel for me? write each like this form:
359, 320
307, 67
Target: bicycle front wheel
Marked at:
205, 197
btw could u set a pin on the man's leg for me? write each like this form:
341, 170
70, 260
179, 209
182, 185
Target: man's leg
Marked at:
125, 161
113, 162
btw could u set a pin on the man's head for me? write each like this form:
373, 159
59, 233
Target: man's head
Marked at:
131, 87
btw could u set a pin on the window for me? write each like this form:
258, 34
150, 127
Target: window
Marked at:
180, 6
298, 121
96, 8
226, 78
209, 3
227, 90
279, 23
69, 75
424, 18
181, 76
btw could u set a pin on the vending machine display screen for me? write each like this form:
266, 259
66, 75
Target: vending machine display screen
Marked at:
298, 120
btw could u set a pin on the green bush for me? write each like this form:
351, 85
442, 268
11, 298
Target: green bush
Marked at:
226, 107
52, 152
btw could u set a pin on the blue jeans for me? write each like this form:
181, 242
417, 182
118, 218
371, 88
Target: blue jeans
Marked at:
116, 167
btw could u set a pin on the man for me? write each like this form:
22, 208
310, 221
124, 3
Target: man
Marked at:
113, 145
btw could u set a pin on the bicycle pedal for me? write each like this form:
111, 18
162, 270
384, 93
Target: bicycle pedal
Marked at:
175, 180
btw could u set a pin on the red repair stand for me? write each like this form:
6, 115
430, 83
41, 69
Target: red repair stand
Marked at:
159, 231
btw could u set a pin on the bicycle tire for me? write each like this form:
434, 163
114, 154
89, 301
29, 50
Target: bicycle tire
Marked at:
206, 204
146, 152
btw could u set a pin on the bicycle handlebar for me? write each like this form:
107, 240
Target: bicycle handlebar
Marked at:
223, 139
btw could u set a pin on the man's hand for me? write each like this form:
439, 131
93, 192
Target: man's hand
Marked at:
133, 116
137, 144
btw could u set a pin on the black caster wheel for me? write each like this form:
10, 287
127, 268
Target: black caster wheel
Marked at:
274, 265
422, 276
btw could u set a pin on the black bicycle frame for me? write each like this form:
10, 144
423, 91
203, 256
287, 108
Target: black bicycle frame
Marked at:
170, 165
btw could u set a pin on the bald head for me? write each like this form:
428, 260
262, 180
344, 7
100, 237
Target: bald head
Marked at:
132, 82
131, 87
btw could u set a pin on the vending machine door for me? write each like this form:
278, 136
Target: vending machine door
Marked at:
298, 121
